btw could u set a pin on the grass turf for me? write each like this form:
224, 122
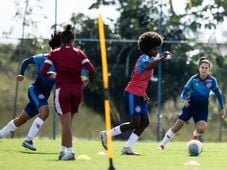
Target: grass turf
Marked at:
15, 157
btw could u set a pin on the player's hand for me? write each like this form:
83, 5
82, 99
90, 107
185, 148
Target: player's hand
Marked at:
186, 103
167, 55
86, 82
52, 75
20, 77
222, 113
146, 99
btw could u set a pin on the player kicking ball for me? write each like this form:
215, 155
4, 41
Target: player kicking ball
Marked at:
135, 92
195, 105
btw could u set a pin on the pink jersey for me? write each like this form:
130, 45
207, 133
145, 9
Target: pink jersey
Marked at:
140, 77
68, 62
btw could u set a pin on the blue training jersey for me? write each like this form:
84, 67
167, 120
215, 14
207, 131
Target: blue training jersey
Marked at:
42, 82
198, 90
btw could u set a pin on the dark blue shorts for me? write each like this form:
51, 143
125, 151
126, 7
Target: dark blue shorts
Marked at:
135, 105
37, 98
197, 112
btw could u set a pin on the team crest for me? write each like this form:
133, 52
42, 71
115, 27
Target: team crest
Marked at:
41, 96
209, 85
138, 109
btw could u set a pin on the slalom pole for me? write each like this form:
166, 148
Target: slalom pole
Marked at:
106, 90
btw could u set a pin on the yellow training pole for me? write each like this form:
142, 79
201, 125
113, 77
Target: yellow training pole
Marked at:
106, 89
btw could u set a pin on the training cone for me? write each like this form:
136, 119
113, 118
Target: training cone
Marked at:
83, 157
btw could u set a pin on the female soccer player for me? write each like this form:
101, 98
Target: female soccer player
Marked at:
135, 91
196, 105
38, 93
68, 62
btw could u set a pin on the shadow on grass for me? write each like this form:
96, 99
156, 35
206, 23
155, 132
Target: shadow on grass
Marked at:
38, 153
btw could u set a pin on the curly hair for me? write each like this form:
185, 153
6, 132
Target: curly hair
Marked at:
67, 35
55, 40
149, 40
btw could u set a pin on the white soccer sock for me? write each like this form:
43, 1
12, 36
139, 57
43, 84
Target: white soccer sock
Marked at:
10, 127
70, 150
131, 140
168, 136
63, 149
195, 133
34, 129
115, 131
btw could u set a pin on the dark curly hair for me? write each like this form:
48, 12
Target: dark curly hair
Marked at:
67, 35
55, 40
149, 40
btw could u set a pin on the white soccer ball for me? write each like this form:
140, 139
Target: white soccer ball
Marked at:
195, 147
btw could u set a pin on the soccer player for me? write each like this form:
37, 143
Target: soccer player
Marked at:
195, 97
68, 61
38, 93
135, 92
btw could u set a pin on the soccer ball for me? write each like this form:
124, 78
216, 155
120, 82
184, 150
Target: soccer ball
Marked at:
195, 147
84, 74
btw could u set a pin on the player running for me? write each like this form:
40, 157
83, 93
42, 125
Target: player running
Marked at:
68, 61
135, 92
38, 93
195, 97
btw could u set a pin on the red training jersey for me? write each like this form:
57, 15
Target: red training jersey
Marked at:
68, 62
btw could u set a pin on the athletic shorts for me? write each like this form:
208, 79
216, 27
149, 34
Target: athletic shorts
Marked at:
197, 112
37, 98
135, 105
67, 99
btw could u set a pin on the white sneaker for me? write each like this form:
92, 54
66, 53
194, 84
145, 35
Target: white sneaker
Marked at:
103, 139
61, 154
128, 151
68, 156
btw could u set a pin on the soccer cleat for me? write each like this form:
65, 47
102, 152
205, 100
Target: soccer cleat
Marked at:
61, 154
67, 156
103, 139
29, 145
128, 151
160, 147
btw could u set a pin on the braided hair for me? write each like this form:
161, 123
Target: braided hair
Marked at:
67, 36
55, 40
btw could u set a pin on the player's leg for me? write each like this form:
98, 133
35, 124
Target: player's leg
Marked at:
200, 119
14, 124
38, 122
38, 104
66, 124
171, 133
133, 138
184, 116
69, 101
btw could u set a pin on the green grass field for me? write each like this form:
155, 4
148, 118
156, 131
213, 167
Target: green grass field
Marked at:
15, 157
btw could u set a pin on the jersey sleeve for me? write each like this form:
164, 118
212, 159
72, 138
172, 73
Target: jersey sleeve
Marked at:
217, 93
25, 63
142, 62
186, 89
88, 65
47, 64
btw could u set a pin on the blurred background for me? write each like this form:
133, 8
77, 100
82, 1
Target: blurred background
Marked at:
191, 29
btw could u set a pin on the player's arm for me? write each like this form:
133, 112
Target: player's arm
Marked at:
45, 69
185, 91
218, 95
154, 63
23, 67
